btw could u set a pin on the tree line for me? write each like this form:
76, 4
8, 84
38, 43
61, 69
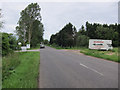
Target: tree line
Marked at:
68, 36
29, 30
9, 43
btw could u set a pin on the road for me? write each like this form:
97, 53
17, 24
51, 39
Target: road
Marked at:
63, 69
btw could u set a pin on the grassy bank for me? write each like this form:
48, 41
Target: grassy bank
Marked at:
108, 55
24, 74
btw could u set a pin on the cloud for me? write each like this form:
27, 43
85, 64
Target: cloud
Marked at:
11, 14
56, 14
9, 28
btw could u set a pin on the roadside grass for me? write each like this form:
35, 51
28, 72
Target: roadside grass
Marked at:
9, 63
25, 74
111, 55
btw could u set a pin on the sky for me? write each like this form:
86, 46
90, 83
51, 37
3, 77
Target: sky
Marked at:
56, 14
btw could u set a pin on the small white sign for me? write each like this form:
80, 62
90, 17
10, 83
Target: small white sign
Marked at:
24, 48
19, 43
28, 45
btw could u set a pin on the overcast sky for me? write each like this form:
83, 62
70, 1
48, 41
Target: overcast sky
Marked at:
55, 15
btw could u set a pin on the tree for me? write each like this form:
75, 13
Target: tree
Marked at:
5, 44
46, 41
69, 33
82, 40
90, 30
74, 35
1, 24
65, 37
107, 33
69, 36
118, 30
53, 39
82, 30
29, 17
37, 35
9, 43
12, 42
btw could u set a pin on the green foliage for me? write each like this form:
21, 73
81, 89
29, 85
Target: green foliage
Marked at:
46, 41
105, 32
69, 37
9, 43
5, 44
12, 42
25, 74
65, 37
30, 28
0, 43
82, 40
37, 35
90, 30
9, 63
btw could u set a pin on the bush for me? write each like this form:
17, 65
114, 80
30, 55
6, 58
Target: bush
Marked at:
9, 43
5, 44
82, 40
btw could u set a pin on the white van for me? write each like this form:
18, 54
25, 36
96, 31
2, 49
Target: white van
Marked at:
100, 44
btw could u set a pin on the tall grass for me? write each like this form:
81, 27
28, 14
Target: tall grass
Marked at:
109, 55
25, 75
9, 63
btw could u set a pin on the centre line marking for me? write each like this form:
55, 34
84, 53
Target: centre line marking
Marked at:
91, 69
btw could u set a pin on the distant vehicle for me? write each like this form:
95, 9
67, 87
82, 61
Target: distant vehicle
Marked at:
100, 44
42, 46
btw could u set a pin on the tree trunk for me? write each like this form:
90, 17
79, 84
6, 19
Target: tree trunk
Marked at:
29, 37
30, 33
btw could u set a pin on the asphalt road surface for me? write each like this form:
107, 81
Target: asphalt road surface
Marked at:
63, 69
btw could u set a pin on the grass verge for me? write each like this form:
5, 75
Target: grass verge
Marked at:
111, 55
25, 74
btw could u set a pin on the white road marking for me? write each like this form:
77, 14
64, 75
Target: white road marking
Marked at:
91, 69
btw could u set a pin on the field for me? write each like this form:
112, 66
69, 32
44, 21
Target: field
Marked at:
111, 55
21, 70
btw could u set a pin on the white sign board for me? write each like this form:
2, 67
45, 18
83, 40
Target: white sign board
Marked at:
24, 48
100, 44
28, 45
